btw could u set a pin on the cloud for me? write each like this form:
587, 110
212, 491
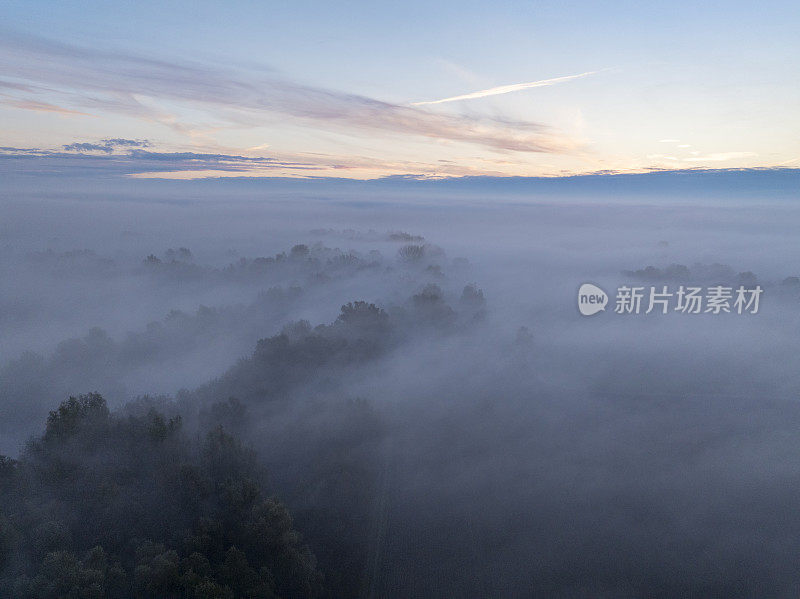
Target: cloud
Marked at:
87, 147
106, 145
129, 143
118, 82
721, 156
205, 158
139, 155
82, 158
697, 157
40, 106
506, 89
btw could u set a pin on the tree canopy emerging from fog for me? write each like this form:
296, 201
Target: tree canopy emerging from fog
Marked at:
104, 506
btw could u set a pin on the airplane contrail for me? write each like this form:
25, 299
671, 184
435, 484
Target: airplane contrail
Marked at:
506, 89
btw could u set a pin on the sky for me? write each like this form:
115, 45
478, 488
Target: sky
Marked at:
365, 90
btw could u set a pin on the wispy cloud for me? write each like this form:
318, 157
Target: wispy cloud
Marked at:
83, 155
507, 89
118, 82
82, 158
697, 157
721, 156
25, 104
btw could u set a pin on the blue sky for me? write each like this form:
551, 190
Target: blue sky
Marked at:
334, 89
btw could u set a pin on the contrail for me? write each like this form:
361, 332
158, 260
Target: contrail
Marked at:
506, 89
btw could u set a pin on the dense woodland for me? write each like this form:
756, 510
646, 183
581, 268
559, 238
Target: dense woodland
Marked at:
166, 497
111, 505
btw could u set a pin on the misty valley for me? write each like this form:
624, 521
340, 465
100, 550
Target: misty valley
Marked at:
297, 398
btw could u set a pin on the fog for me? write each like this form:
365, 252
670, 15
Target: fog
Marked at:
470, 433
